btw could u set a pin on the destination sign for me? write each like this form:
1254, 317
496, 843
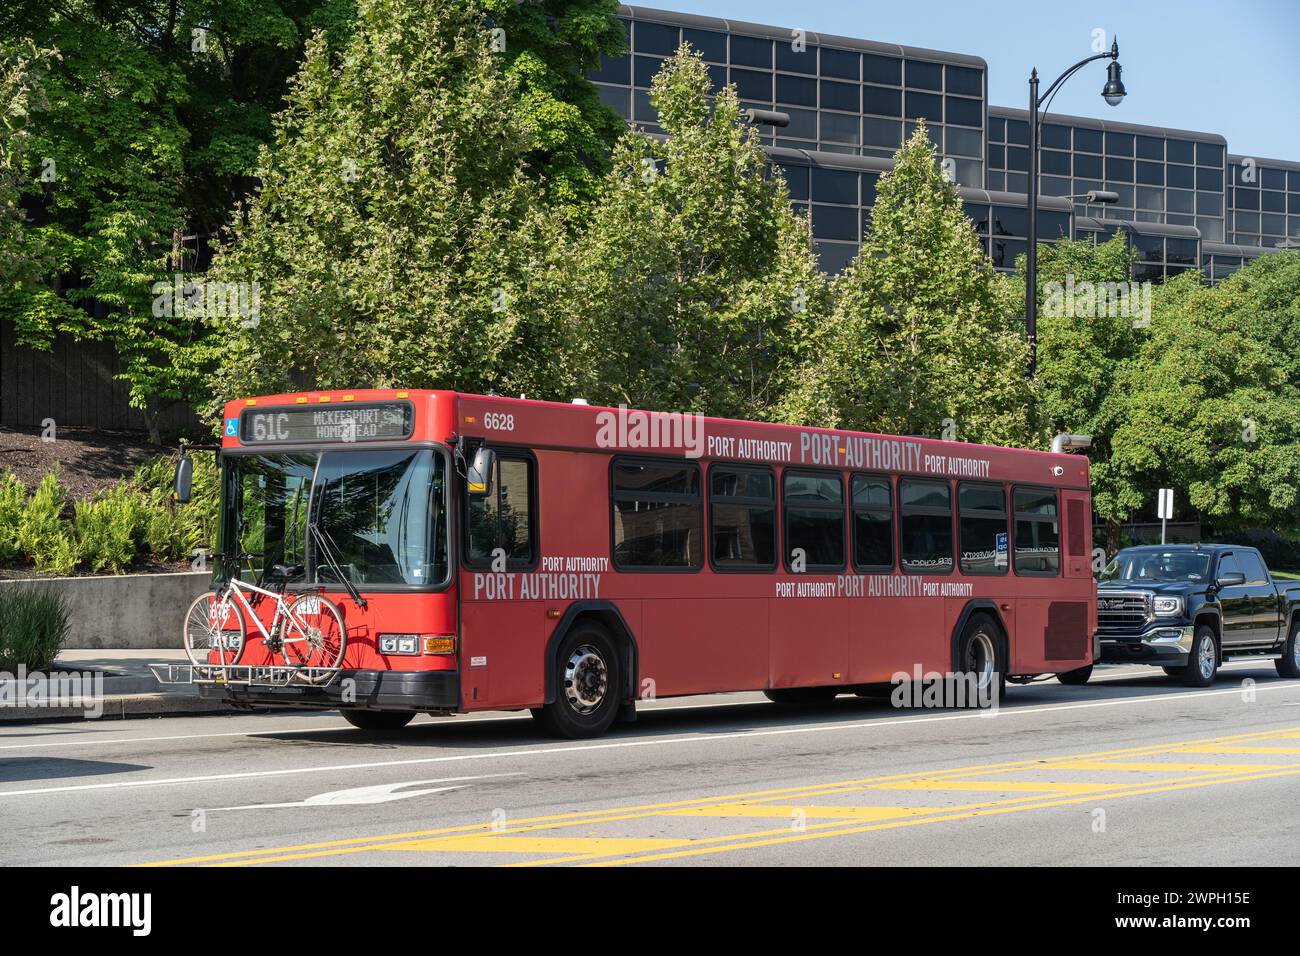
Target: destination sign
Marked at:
383, 421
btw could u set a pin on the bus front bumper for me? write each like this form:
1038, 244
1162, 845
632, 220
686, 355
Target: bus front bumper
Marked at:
420, 691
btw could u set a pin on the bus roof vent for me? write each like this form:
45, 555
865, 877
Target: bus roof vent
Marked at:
579, 401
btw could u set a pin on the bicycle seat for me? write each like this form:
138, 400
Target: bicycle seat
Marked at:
286, 571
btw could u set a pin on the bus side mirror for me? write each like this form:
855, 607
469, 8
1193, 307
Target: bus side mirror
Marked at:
478, 476
183, 479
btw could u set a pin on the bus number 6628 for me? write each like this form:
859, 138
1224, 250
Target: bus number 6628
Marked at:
498, 421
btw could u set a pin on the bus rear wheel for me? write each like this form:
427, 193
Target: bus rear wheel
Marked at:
378, 719
588, 685
980, 657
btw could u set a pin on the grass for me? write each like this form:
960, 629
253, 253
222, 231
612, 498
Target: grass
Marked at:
33, 627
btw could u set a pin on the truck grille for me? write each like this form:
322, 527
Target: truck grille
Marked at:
1123, 611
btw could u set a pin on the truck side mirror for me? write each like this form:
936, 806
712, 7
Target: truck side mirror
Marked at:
478, 475
1231, 579
183, 479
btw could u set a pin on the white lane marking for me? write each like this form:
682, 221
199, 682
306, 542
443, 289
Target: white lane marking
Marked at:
88, 741
882, 722
364, 796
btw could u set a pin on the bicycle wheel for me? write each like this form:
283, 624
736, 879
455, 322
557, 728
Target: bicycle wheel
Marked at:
214, 632
314, 636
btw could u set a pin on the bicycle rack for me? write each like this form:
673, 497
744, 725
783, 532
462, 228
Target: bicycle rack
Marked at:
245, 675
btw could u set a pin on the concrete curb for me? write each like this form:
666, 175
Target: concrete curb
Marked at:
120, 706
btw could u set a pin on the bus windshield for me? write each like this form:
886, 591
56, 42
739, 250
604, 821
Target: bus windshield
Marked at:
1140, 566
383, 514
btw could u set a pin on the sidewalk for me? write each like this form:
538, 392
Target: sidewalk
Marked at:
129, 688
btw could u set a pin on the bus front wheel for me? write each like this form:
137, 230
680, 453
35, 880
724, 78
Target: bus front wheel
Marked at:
588, 685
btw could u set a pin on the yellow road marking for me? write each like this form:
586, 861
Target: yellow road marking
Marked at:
591, 817
999, 786
1163, 767
1219, 749
612, 846
791, 812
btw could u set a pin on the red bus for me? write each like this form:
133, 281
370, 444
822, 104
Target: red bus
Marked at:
490, 553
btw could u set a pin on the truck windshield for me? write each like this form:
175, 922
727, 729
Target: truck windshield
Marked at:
1139, 567
384, 514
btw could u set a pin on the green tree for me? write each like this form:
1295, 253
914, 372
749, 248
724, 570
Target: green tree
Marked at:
155, 113
1211, 408
1086, 356
920, 338
689, 286
394, 218
549, 47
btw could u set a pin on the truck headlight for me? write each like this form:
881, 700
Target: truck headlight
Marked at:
1168, 606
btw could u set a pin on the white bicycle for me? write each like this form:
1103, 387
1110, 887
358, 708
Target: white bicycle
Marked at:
306, 632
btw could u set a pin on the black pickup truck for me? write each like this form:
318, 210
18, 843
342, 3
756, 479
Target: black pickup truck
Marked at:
1188, 608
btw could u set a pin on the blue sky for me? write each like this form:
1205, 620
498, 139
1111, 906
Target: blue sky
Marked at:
1230, 67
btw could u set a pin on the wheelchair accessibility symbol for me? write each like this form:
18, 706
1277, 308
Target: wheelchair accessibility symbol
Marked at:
232, 427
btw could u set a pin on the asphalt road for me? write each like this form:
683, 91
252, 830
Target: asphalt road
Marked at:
1132, 769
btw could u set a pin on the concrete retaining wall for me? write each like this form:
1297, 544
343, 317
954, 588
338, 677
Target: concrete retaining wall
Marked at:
124, 610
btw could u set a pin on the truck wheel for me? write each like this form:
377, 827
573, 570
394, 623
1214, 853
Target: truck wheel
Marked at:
801, 695
1203, 661
588, 685
1288, 665
1076, 677
378, 719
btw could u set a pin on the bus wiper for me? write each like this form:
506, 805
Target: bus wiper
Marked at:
325, 545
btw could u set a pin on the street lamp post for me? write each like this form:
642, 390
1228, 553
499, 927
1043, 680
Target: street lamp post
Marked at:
1113, 93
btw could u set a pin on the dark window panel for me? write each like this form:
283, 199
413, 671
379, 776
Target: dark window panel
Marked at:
712, 45
1293, 203
1208, 178
1120, 170
752, 85
1056, 136
1270, 201
1054, 162
1150, 147
646, 68
617, 69
962, 142
1271, 178
656, 38
964, 112
796, 178
1180, 251
1209, 204
1010, 221
1151, 174
1119, 144
796, 89
928, 105
1053, 225
835, 222
1018, 132
1180, 200
965, 80
1087, 140
1180, 177
803, 123
1087, 166
882, 100
796, 61
644, 110
841, 96
841, 63
979, 216
1149, 248
1272, 225
1209, 154
834, 257
834, 185
997, 129
839, 128
1180, 151
869, 182
1018, 158
751, 51
1293, 180
717, 76
997, 157
617, 98
882, 69
882, 132
924, 76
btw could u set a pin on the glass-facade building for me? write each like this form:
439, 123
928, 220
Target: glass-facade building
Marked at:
1185, 202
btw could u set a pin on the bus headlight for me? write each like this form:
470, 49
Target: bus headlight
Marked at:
399, 643
1168, 606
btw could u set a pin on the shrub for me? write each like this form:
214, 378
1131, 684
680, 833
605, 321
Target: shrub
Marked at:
13, 495
107, 528
43, 536
33, 627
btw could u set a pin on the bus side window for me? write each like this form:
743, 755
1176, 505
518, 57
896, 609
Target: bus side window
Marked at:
742, 518
873, 523
1038, 531
657, 515
925, 509
982, 528
813, 504
506, 518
